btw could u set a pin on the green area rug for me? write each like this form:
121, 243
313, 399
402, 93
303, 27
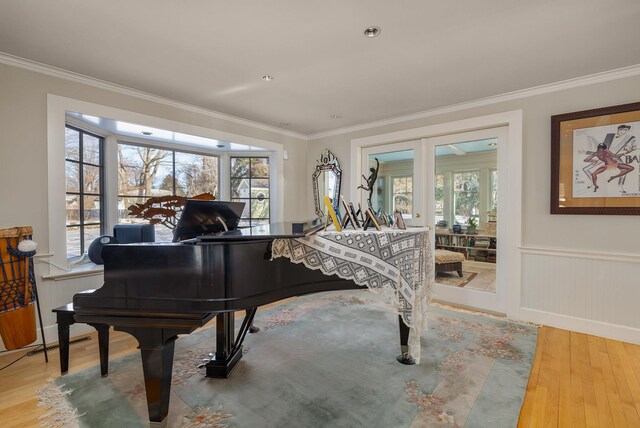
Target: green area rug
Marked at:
324, 360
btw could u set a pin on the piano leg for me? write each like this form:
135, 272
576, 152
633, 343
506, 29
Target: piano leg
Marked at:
156, 350
252, 328
404, 358
228, 347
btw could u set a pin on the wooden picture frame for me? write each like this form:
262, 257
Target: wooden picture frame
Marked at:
348, 215
332, 214
595, 161
398, 221
371, 218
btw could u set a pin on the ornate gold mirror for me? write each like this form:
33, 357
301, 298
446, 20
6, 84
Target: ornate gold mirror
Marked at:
326, 181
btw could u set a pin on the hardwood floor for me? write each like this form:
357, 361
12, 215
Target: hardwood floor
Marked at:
579, 380
576, 381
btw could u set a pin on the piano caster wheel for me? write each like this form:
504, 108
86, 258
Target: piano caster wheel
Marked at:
406, 359
253, 329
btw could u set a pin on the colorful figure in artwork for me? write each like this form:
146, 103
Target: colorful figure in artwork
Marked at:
609, 161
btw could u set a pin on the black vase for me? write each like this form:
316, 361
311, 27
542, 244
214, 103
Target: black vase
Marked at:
95, 249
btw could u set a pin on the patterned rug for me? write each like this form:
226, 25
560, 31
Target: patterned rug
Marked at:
452, 278
323, 360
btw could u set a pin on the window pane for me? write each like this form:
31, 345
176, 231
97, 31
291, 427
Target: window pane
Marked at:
240, 167
73, 242
91, 179
71, 144
260, 209
260, 188
163, 233
144, 171
123, 210
259, 222
196, 174
90, 149
403, 194
466, 187
73, 209
90, 233
240, 188
494, 190
92, 209
439, 197
73, 176
259, 167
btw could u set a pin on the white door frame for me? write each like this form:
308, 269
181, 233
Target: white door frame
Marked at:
513, 155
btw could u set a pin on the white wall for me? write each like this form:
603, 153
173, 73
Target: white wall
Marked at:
583, 239
23, 161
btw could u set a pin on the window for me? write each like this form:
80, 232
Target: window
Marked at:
439, 197
84, 189
250, 184
402, 195
466, 195
493, 202
145, 171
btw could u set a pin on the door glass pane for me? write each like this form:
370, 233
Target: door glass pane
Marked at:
392, 188
465, 194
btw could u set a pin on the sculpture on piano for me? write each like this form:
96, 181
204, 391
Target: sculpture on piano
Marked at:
370, 182
164, 210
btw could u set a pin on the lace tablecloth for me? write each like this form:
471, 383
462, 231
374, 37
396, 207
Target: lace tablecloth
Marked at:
396, 263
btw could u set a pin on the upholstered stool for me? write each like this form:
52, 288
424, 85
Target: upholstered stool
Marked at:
449, 261
64, 318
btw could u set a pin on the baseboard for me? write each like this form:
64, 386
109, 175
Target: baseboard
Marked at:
51, 334
581, 325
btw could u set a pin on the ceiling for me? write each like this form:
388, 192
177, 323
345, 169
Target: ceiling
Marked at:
212, 53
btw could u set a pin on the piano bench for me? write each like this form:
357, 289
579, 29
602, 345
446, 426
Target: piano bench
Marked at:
64, 318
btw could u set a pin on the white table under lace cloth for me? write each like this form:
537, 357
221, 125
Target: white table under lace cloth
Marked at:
393, 262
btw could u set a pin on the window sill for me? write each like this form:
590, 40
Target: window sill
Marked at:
77, 271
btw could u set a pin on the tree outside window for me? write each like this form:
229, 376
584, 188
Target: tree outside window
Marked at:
402, 194
145, 171
250, 184
466, 195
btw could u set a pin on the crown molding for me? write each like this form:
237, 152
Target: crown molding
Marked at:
591, 79
103, 84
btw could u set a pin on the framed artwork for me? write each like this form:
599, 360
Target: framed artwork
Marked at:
595, 161
332, 214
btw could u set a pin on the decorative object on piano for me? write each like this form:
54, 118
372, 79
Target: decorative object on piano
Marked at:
331, 215
398, 221
95, 249
164, 210
371, 220
370, 182
18, 293
348, 218
457, 228
326, 181
356, 215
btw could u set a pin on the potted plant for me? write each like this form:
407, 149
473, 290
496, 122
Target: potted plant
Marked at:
472, 224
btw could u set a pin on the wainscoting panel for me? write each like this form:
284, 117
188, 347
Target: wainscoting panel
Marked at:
588, 292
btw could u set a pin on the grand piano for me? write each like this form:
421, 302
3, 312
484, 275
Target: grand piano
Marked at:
157, 291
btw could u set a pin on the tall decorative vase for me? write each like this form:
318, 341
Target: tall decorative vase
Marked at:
17, 299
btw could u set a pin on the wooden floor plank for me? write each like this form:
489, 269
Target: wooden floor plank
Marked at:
530, 395
602, 400
625, 381
577, 395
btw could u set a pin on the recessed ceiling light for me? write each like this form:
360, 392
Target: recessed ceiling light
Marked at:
267, 78
493, 144
285, 123
220, 146
372, 32
336, 116
146, 133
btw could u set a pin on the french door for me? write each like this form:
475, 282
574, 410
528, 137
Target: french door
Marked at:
461, 182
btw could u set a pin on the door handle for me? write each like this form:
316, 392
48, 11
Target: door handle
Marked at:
417, 215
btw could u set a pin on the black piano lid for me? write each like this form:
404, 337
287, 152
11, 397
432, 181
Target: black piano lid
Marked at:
269, 231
